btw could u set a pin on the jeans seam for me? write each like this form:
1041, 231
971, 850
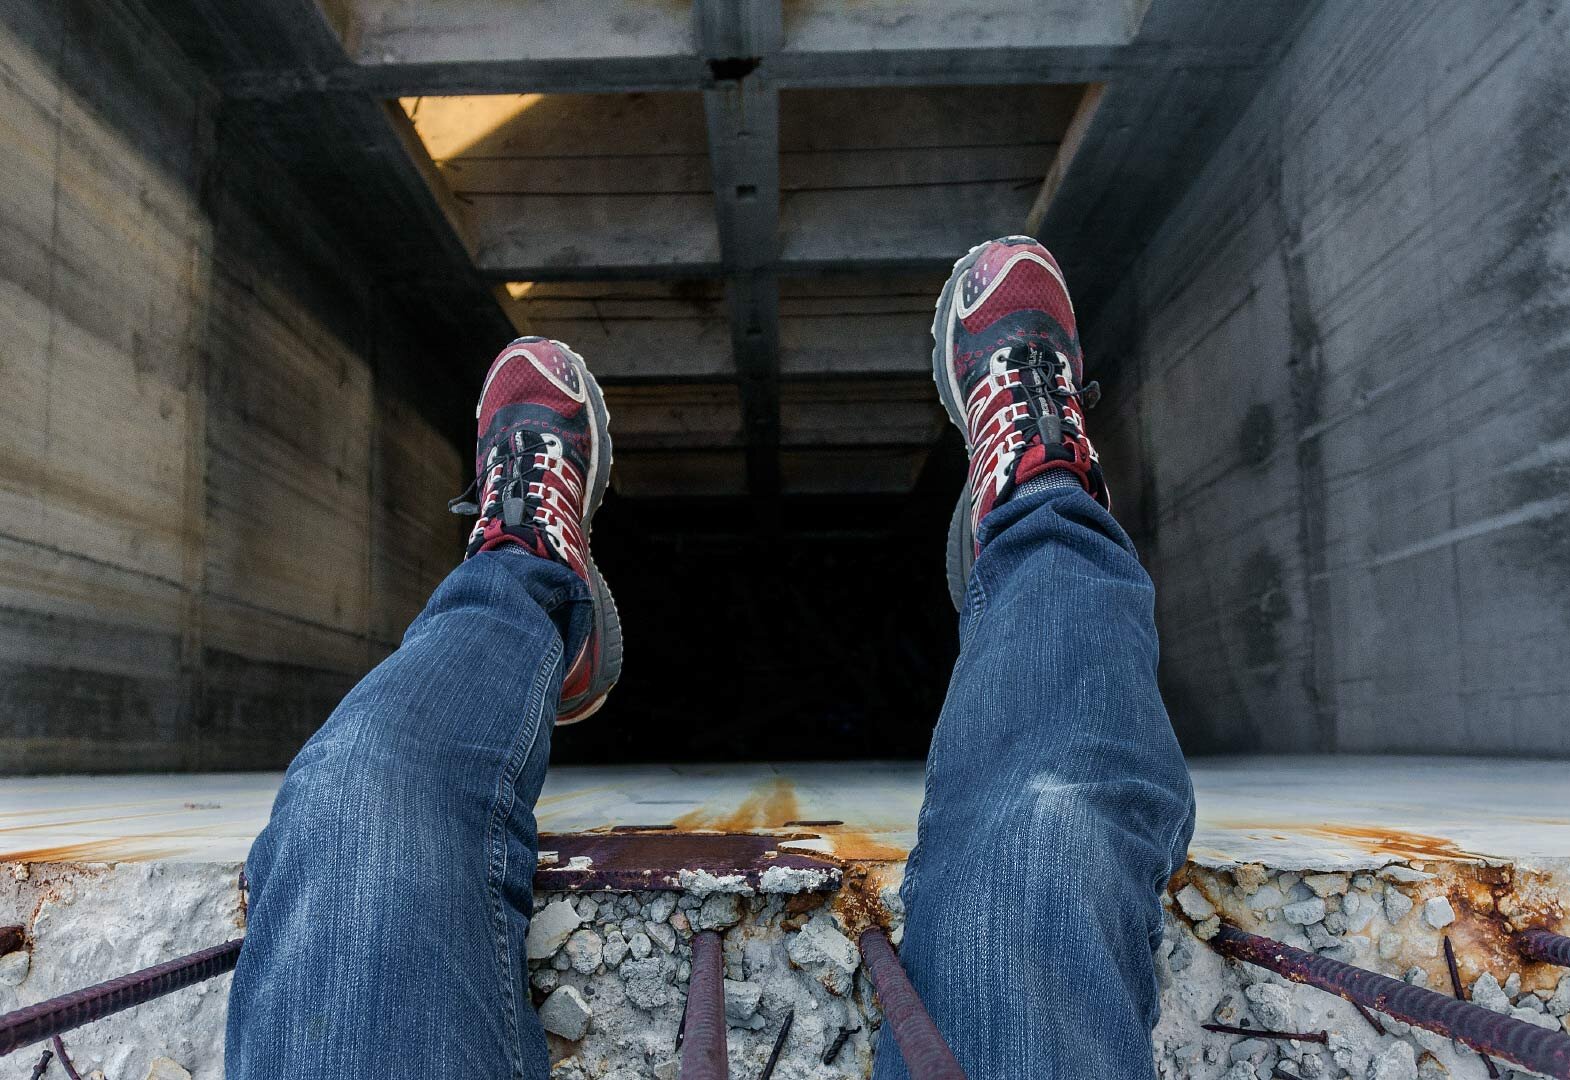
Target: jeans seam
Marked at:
496, 841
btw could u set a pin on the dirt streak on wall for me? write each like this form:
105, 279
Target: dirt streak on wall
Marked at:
217, 507
1338, 379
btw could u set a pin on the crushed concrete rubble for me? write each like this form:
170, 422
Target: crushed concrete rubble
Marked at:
784, 954
609, 971
1394, 921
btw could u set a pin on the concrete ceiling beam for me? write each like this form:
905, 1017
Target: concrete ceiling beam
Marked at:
400, 48
743, 120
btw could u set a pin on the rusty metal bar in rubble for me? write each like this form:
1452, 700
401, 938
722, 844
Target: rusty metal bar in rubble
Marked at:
1491, 1033
38, 1022
1544, 945
703, 1053
927, 1056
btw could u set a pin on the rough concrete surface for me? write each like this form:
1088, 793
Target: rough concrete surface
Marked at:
1336, 383
1441, 848
88, 922
218, 506
611, 992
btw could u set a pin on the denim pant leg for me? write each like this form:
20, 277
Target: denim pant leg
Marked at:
1057, 806
390, 892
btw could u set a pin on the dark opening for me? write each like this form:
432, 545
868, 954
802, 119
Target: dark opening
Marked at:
833, 637
733, 68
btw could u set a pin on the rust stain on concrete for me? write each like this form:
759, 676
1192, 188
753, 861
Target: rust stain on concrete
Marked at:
106, 850
769, 806
1375, 839
859, 845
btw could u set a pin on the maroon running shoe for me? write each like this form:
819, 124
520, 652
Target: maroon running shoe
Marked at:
541, 466
1007, 362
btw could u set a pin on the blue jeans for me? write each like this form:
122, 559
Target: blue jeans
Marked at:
390, 892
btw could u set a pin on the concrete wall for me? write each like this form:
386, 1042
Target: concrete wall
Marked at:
1340, 395
216, 507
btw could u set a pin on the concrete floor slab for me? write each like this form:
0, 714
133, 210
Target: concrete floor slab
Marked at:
1304, 812
106, 875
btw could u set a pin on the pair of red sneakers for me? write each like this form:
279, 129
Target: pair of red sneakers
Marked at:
1006, 360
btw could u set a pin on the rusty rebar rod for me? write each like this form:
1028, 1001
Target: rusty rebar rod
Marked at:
1459, 991
1544, 945
1265, 1033
1373, 1021
49, 1018
65, 1059
779, 1046
703, 1055
1487, 1032
927, 1056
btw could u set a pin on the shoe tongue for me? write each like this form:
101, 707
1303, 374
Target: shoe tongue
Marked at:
509, 442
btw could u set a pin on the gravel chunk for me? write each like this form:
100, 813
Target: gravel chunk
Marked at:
645, 983
1250, 877
820, 941
1271, 1004
821, 950
1194, 903
641, 946
1438, 913
1327, 884
585, 951
1487, 992
1559, 1004
1542, 1020
1266, 896
1395, 1062
661, 907
1397, 904
550, 928
1359, 911
662, 935
719, 911
616, 948
14, 967
1529, 1001
565, 1013
741, 1002
1304, 912
1229, 1010
1248, 1050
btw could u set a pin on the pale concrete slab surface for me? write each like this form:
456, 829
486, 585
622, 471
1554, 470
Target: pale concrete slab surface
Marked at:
1303, 812
110, 874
